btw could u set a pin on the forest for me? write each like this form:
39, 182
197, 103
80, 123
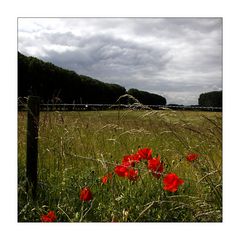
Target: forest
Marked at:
210, 99
57, 85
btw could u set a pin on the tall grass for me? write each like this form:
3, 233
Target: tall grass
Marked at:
77, 148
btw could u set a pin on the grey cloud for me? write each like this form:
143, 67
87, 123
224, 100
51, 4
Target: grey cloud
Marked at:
101, 54
176, 57
181, 28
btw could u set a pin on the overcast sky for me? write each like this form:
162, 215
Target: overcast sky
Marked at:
178, 58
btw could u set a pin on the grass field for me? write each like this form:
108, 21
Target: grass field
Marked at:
76, 149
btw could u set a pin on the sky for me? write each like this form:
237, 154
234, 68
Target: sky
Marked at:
177, 58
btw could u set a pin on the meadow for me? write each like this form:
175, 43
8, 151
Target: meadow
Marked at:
77, 149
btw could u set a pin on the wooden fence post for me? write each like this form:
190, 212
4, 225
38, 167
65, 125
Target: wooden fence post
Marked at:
32, 144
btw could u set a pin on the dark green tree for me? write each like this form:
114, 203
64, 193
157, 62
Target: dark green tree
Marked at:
210, 99
57, 85
147, 98
53, 84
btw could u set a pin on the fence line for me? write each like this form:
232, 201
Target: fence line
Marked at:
32, 145
91, 107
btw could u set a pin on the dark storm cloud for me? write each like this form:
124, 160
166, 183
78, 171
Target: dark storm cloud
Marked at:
106, 56
176, 57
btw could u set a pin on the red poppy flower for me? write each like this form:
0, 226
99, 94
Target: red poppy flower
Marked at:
155, 166
85, 194
171, 182
145, 153
132, 174
130, 160
127, 161
136, 157
192, 156
106, 178
121, 170
45, 218
50, 217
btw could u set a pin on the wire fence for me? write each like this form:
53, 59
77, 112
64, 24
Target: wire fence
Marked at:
97, 107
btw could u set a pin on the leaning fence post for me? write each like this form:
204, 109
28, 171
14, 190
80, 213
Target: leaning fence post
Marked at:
32, 144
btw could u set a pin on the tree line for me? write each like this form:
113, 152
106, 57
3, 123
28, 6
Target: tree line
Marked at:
210, 99
57, 85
